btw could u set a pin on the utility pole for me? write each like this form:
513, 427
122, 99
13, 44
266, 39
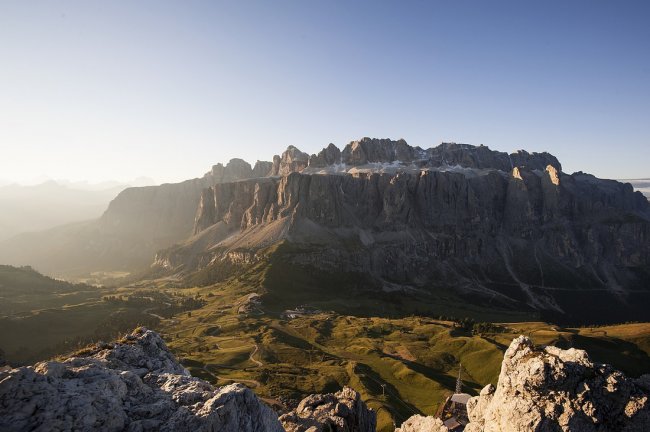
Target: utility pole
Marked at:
383, 389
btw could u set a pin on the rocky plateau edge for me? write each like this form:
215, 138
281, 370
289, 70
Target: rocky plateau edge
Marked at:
513, 229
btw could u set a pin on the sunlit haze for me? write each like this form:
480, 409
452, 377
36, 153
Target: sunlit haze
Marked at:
116, 90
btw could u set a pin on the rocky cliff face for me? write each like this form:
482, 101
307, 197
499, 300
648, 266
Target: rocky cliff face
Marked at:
136, 384
547, 389
292, 160
527, 236
510, 227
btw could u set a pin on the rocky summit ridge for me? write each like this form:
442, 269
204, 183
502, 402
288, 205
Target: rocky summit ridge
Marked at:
143, 220
136, 384
511, 229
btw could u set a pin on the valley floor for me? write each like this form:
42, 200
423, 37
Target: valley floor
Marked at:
223, 333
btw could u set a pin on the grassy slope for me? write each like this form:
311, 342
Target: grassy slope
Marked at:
41, 317
415, 358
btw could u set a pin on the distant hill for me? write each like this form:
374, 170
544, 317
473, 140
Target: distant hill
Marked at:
41, 316
43, 206
23, 289
137, 222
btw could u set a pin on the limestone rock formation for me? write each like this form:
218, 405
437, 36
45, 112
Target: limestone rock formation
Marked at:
292, 160
373, 150
133, 385
341, 411
524, 237
511, 229
330, 155
418, 423
262, 169
550, 389
547, 389
236, 169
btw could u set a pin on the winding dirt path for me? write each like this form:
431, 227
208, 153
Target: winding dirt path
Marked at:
250, 357
147, 312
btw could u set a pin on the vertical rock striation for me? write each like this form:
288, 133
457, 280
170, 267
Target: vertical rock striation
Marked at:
530, 236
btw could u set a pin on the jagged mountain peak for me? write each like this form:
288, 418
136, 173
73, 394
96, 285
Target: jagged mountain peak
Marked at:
486, 220
377, 151
376, 154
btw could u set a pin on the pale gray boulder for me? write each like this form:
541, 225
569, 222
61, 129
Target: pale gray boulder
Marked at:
550, 389
134, 385
341, 411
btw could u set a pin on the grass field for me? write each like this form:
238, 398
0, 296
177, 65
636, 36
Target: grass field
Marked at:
41, 317
401, 365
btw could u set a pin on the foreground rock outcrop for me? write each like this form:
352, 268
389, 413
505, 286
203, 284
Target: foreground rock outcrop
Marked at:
548, 389
137, 385
418, 423
133, 385
341, 411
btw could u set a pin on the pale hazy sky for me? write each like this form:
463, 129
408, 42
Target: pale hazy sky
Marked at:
99, 90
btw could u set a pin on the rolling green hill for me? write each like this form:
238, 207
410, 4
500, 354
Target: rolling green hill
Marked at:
236, 330
401, 365
41, 317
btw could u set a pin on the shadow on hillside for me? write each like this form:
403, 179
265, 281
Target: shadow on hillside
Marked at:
621, 354
373, 382
434, 375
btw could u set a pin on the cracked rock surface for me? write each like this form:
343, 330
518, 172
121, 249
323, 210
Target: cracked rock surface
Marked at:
548, 389
341, 411
134, 385
551, 389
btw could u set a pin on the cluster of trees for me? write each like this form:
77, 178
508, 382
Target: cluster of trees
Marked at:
476, 328
164, 304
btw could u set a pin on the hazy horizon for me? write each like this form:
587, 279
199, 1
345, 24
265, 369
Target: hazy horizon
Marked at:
115, 91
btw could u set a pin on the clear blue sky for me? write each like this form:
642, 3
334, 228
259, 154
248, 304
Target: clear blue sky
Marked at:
99, 90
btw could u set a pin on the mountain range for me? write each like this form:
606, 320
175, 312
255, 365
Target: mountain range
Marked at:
380, 219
